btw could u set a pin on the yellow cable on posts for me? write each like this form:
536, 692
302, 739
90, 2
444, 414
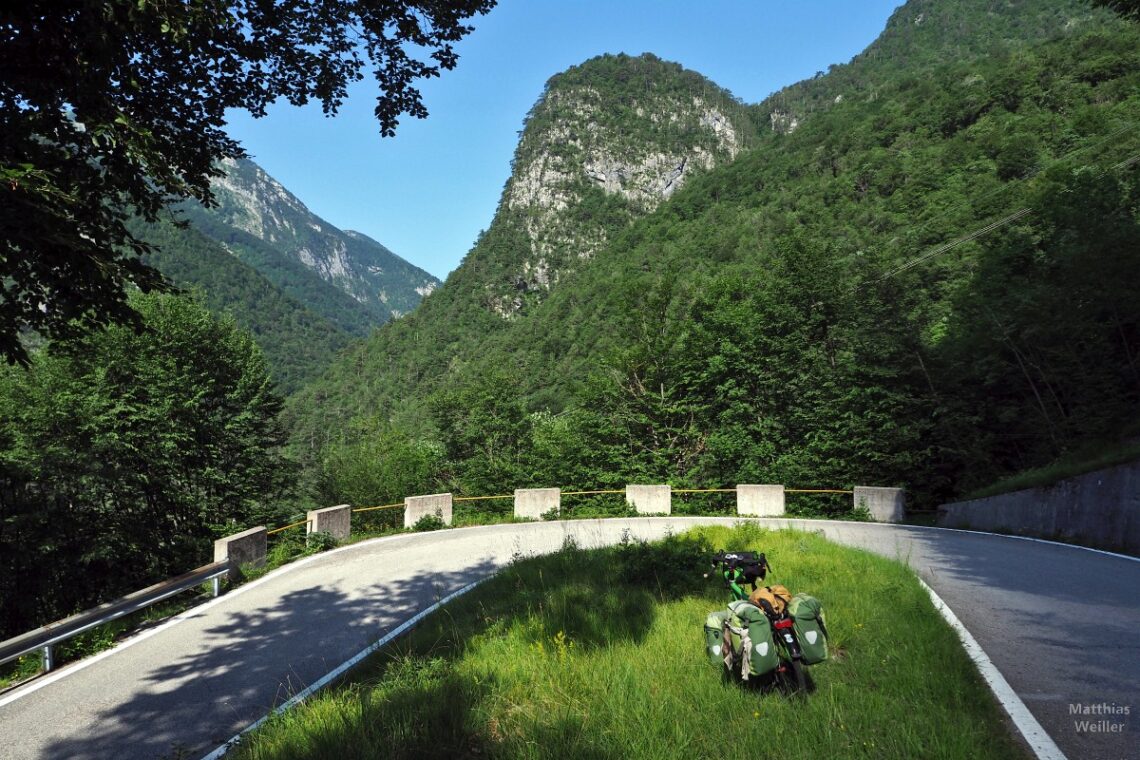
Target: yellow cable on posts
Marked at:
287, 527
589, 493
704, 490
482, 498
815, 490
373, 509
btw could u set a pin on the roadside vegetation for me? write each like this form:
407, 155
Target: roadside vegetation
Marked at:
789, 317
1086, 460
599, 654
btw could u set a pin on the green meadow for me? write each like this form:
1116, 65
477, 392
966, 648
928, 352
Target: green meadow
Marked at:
599, 654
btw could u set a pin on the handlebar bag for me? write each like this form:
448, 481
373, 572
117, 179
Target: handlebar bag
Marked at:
751, 565
811, 631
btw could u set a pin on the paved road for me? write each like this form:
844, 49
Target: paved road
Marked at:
1061, 624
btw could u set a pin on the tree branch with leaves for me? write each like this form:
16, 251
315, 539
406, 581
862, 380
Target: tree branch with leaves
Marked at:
116, 108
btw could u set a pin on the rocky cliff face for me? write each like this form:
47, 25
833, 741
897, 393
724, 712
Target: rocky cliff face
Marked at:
249, 201
608, 141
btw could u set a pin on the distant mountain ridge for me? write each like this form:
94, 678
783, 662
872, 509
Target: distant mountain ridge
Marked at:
298, 342
302, 287
258, 220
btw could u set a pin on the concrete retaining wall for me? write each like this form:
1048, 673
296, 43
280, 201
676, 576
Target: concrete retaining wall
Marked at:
885, 504
245, 548
650, 500
760, 501
1100, 509
416, 507
533, 503
336, 521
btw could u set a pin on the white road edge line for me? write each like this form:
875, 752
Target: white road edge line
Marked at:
71, 669
47, 680
1038, 739
230, 743
1106, 553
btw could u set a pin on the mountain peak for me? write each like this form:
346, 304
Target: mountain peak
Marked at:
607, 141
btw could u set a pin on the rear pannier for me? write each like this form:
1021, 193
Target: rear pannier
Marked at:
810, 628
748, 642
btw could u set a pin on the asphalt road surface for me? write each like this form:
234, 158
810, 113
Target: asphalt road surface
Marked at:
1061, 624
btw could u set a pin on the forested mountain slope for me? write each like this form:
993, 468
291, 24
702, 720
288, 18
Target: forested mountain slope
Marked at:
788, 315
299, 343
345, 276
606, 143
926, 34
302, 287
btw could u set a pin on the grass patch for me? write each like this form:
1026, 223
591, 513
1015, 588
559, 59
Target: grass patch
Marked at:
1080, 463
599, 654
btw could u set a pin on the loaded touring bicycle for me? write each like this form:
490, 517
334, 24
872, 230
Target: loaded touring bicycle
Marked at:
766, 633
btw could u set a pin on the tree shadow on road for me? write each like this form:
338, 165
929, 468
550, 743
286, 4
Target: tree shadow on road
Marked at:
255, 648
246, 662
1060, 623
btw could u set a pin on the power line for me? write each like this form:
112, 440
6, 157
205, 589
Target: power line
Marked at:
954, 243
1011, 217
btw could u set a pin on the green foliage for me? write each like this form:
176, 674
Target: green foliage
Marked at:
381, 466
320, 541
1043, 342
123, 455
789, 317
429, 522
1126, 8
127, 113
485, 431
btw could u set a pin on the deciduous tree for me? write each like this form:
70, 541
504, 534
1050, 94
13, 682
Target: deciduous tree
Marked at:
123, 455
110, 108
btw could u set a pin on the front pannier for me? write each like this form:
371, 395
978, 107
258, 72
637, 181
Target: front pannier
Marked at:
807, 614
714, 635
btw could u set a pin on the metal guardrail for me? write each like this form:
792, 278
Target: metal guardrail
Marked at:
45, 638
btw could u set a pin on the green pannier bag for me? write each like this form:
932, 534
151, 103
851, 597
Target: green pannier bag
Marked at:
747, 623
714, 635
807, 613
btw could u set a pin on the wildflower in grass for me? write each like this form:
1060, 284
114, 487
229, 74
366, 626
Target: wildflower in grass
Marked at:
562, 645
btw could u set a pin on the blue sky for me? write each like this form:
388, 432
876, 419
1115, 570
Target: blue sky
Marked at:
427, 192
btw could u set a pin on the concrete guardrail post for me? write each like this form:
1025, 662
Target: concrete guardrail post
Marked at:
416, 507
246, 548
760, 500
650, 500
885, 504
336, 521
533, 503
